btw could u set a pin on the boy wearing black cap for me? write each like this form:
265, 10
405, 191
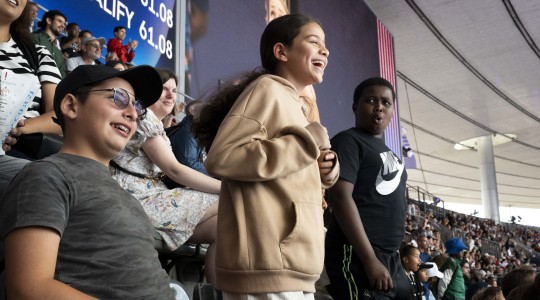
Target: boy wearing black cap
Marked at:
70, 231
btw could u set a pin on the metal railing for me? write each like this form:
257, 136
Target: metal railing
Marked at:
426, 200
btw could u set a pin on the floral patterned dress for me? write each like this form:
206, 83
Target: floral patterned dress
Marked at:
174, 212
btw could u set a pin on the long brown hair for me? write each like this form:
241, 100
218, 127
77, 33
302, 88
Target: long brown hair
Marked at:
280, 30
20, 28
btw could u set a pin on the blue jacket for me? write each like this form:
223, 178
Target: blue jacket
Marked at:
185, 146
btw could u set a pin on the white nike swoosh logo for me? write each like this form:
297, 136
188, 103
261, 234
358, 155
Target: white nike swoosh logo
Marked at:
386, 187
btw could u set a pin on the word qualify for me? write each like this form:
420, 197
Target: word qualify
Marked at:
116, 9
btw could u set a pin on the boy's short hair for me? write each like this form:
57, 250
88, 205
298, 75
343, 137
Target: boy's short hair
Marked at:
144, 79
117, 28
370, 82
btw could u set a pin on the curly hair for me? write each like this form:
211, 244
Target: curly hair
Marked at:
205, 127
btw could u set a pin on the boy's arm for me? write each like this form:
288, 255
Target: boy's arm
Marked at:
30, 269
349, 220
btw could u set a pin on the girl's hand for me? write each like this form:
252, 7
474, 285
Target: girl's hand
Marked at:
326, 161
14, 134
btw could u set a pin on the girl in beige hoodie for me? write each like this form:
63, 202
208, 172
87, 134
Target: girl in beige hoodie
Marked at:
273, 164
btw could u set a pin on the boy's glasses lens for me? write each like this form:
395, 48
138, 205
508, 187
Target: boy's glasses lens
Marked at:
140, 108
121, 100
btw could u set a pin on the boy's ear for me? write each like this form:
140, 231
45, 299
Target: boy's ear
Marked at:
354, 106
405, 259
69, 107
280, 52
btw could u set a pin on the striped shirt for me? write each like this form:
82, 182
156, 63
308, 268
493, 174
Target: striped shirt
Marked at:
11, 58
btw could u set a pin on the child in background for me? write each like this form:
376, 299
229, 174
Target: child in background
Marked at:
70, 231
410, 260
368, 202
273, 164
429, 275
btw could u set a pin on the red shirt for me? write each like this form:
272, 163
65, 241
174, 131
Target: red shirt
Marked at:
115, 45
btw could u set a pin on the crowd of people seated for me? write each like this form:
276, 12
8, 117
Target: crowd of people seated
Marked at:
493, 254
376, 245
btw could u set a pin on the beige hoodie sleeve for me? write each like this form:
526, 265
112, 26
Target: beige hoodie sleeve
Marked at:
244, 150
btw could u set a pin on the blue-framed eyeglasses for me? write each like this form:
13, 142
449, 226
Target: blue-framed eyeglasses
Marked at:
122, 99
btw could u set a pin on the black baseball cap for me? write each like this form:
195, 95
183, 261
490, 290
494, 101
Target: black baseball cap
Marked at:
144, 79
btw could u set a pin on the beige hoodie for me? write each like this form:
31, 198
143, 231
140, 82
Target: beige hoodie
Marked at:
270, 226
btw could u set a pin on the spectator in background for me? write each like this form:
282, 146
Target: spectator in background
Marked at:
478, 282
435, 242
71, 44
466, 270
492, 280
90, 51
452, 286
410, 260
34, 9
111, 56
85, 33
434, 275
526, 291
423, 246
125, 53
491, 293
520, 276
51, 27
120, 66
185, 146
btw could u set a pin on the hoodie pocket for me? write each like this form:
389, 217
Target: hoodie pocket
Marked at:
303, 249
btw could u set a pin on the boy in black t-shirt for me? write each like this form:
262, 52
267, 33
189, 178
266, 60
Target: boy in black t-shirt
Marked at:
368, 203
69, 230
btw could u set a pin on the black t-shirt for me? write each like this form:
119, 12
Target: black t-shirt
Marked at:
106, 248
379, 179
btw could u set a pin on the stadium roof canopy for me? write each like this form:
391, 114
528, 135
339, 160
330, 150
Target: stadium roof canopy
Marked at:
468, 69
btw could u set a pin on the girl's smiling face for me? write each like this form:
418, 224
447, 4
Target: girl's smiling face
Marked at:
304, 61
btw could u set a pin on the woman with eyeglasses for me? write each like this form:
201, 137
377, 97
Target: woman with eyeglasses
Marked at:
180, 214
14, 38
